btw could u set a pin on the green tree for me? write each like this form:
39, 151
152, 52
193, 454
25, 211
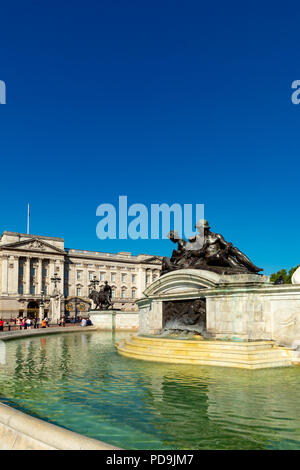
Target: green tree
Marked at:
286, 276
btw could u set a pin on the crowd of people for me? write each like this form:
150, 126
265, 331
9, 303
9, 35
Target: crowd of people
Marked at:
26, 323
73, 320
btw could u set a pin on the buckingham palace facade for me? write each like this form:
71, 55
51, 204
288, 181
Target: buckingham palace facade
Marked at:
30, 263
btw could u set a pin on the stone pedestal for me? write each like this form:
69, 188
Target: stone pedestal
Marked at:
55, 307
238, 307
114, 320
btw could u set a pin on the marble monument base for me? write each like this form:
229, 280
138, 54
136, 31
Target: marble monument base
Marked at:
115, 320
239, 306
248, 321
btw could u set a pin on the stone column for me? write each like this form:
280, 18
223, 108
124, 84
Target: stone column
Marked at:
85, 280
141, 284
72, 281
62, 276
39, 276
15, 286
4, 275
51, 274
27, 276
156, 317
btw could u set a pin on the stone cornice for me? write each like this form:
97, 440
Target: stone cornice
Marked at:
26, 246
113, 259
26, 235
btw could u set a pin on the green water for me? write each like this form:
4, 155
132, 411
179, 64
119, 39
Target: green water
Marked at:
78, 381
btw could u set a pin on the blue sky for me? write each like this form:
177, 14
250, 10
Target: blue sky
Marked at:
165, 102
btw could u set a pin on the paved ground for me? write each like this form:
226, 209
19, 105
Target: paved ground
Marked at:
43, 331
15, 327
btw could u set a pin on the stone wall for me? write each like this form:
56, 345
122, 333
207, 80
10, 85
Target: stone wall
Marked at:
108, 320
244, 306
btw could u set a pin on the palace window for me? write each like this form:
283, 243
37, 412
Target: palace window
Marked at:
113, 276
123, 277
79, 273
123, 293
133, 277
102, 276
133, 293
113, 292
78, 290
91, 274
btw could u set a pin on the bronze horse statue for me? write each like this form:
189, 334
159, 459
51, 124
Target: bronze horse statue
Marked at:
101, 299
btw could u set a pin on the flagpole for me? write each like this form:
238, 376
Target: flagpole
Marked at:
28, 214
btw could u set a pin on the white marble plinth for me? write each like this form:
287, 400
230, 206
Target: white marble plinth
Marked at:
239, 307
114, 320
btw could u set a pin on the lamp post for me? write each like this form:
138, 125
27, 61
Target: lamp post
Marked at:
94, 282
42, 304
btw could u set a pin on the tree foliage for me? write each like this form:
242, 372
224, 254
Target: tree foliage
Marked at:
286, 276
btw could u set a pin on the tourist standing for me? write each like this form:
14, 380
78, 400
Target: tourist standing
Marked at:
44, 323
1, 324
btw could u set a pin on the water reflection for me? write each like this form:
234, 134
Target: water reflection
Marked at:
78, 381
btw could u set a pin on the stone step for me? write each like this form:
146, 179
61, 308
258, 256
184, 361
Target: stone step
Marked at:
266, 354
182, 350
204, 360
203, 344
250, 356
222, 362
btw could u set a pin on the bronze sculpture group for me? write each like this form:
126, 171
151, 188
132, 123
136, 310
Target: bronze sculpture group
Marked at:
102, 298
209, 251
206, 250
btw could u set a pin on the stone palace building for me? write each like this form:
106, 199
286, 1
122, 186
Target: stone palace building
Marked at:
35, 270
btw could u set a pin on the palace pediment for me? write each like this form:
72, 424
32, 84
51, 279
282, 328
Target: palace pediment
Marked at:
34, 245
